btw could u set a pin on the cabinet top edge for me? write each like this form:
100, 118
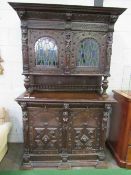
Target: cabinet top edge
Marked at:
67, 8
122, 94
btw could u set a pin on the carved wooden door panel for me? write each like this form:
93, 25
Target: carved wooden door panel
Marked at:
44, 133
46, 51
86, 130
88, 52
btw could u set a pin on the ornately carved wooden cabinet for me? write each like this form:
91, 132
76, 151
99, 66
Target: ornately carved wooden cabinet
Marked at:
66, 63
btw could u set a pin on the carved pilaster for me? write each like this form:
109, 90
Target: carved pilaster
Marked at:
109, 51
107, 112
67, 49
26, 156
106, 115
105, 86
24, 31
65, 122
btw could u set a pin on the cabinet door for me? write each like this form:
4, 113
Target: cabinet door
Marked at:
89, 52
86, 130
44, 132
46, 51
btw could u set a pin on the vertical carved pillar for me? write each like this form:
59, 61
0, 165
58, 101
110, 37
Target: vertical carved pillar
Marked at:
67, 51
106, 115
24, 30
66, 132
68, 37
105, 86
109, 51
26, 156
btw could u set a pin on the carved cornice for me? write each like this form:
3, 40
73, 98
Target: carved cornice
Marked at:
39, 11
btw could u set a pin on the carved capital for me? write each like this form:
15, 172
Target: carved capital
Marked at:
21, 14
23, 105
113, 19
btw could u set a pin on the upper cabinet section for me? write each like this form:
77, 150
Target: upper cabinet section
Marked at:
66, 39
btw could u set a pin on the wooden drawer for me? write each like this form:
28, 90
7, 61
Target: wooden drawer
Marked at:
129, 154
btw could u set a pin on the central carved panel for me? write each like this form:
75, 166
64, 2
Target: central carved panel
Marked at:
46, 138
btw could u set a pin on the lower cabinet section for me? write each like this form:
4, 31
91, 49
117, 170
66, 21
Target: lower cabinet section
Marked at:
60, 134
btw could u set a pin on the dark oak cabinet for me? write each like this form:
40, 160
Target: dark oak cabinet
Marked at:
66, 63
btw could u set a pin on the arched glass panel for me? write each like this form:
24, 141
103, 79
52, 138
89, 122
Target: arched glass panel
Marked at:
88, 53
46, 52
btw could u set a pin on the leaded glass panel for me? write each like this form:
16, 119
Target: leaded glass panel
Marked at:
88, 53
46, 52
